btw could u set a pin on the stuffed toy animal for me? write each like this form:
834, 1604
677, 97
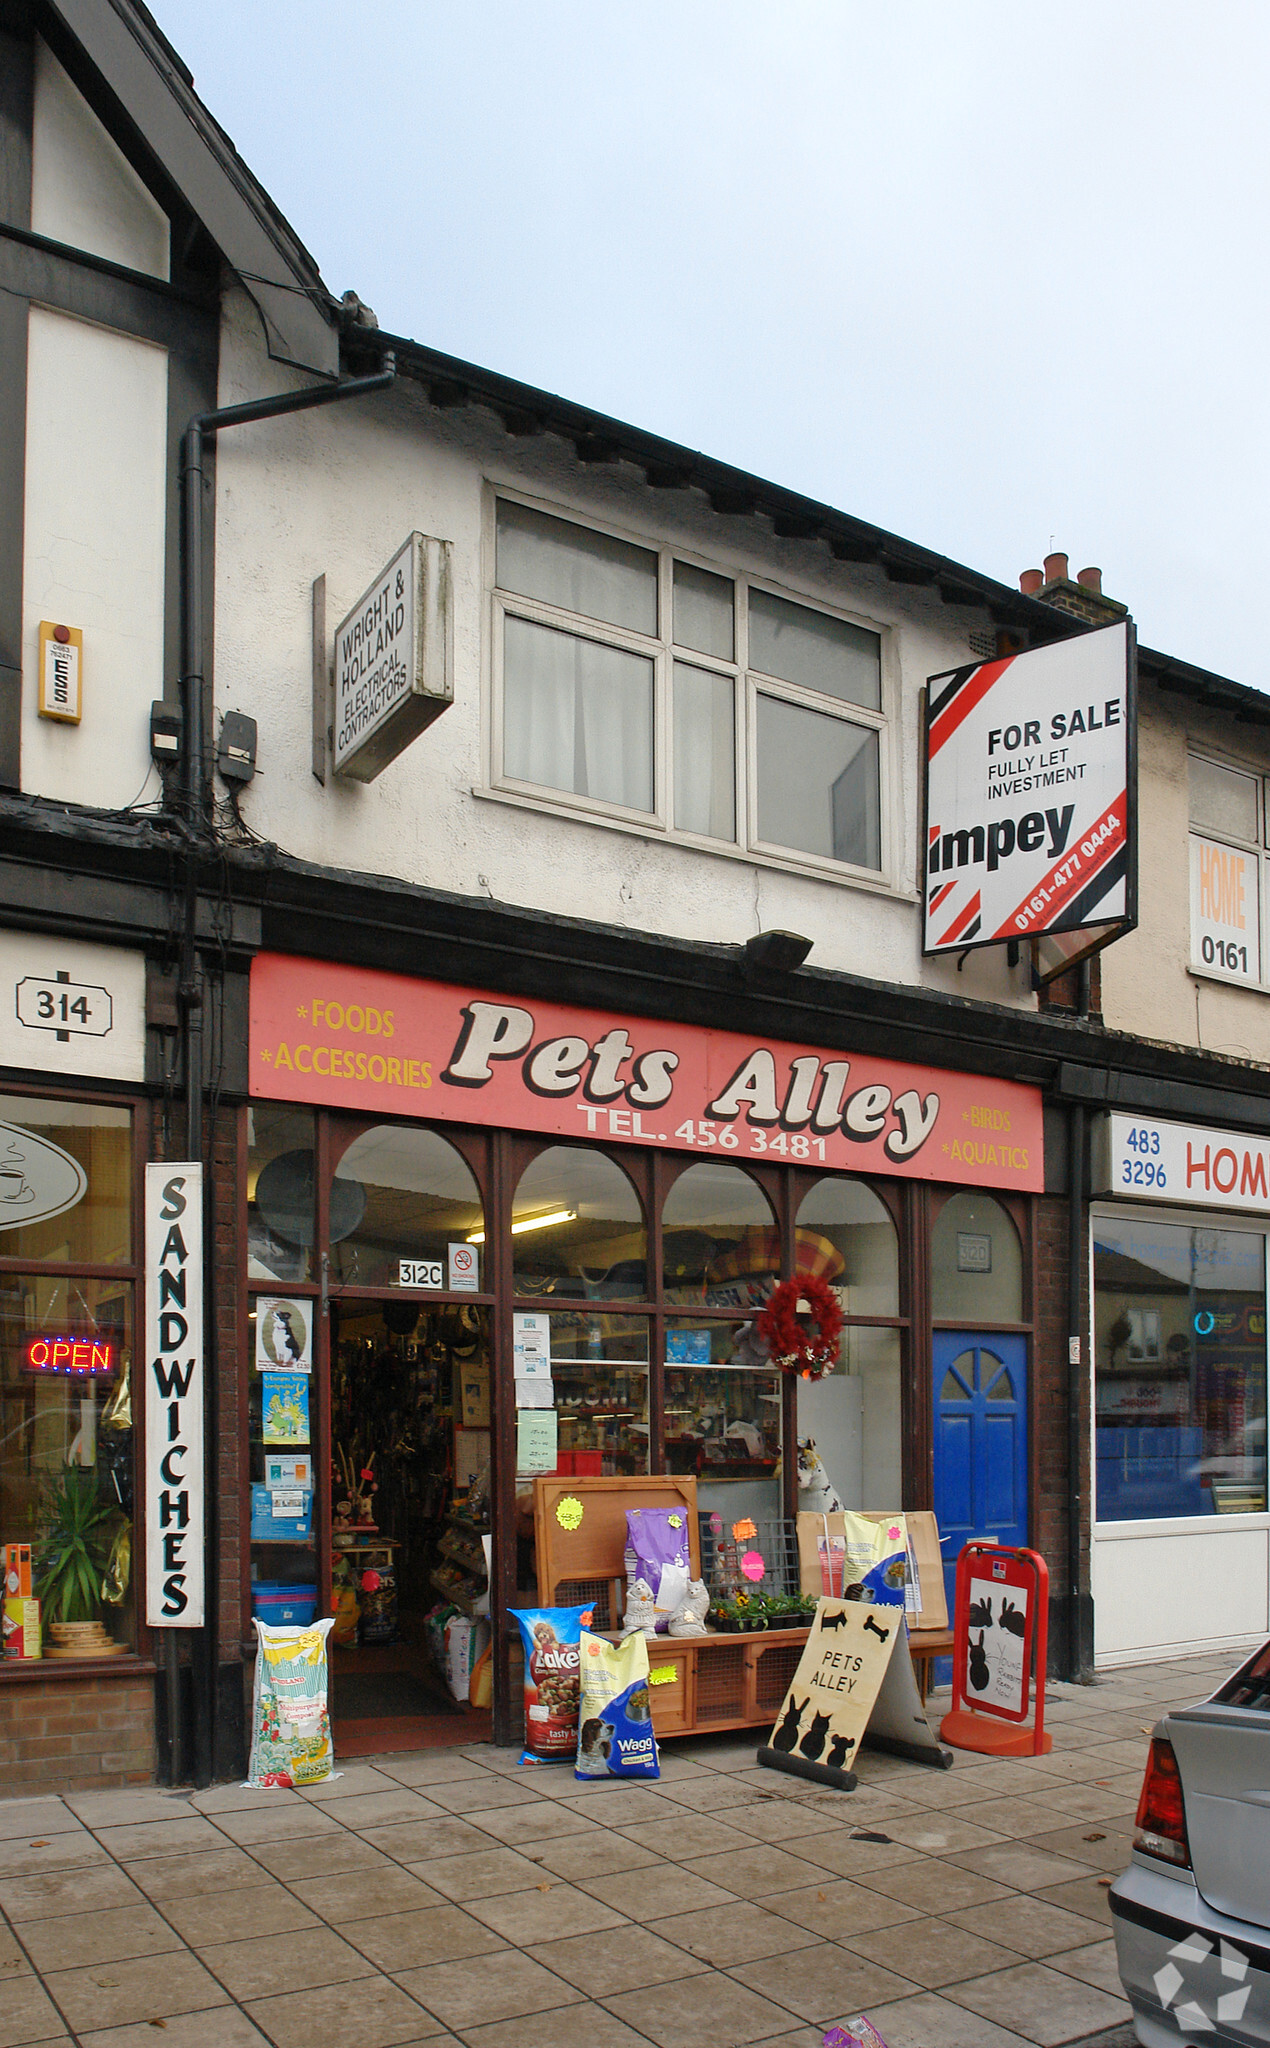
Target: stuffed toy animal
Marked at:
817, 1495
689, 1618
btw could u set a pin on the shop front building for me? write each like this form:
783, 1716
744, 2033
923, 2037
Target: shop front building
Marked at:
1178, 1260
488, 1238
75, 1130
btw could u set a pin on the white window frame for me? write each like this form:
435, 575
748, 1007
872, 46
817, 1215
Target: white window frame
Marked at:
747, 687
1258, 847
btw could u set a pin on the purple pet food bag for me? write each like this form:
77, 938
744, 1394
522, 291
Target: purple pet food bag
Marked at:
657, 1552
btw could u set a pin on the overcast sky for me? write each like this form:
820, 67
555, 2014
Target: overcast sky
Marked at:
991, 274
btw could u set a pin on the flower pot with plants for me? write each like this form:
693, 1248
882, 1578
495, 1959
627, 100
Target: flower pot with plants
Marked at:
79, 1559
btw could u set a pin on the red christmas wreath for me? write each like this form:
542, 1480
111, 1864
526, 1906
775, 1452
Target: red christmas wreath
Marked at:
810, 1353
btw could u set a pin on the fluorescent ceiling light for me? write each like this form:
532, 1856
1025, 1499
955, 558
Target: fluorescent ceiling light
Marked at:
531, 1223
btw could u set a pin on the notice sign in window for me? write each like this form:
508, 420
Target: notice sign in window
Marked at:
1225, 910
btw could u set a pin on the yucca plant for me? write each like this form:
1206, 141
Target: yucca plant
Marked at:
73, 1546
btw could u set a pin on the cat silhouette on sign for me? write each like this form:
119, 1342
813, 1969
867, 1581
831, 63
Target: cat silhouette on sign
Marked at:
813, 1741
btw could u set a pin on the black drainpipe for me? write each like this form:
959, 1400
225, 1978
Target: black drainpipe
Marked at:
1075, 1376
195, 808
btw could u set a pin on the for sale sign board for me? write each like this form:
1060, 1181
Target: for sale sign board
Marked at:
1029, 794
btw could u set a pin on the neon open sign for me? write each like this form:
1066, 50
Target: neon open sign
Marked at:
83, 1357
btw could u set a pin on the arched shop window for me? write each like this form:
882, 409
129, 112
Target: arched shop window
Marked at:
845, 1233
976, 1262
720, 1244
578, 1237
67, 1272
399, 1193
280, 1206
578, 1229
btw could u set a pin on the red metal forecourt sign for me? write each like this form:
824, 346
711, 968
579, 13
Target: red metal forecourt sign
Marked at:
351, 1038
1000, 1612
1029, 794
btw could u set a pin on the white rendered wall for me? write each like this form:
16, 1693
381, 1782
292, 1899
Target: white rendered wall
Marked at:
84, 192
1169, 1590
335, 492
1147, 983
96, 438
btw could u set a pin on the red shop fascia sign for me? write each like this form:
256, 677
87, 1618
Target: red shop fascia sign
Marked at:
353, 1038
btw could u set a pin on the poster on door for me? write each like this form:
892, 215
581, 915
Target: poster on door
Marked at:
997, 1647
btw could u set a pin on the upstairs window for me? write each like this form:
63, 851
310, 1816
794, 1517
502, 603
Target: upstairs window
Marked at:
1228, 870
646, 688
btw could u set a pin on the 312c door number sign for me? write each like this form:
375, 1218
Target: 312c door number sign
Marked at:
64, 1006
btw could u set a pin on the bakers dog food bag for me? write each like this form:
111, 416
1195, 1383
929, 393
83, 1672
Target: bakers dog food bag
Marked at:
290, 1724
615, 1724
550, 1636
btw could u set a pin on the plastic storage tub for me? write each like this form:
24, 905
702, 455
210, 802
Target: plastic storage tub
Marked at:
283, 1606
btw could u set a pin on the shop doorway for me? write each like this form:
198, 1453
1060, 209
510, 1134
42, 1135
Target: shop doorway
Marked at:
980, 1446
409, 1432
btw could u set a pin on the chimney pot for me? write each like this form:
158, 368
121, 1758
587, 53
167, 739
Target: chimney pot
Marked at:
1030, 581
1091, 578
1056, 568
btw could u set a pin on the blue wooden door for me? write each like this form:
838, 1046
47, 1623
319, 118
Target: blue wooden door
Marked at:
980, 1428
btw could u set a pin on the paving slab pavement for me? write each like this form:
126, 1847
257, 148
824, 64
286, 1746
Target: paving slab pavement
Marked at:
450, 1897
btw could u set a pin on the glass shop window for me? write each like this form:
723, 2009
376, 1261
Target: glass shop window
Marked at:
599, 1390
1179, 1369
401, 1196
66, 1457
578, 1228
853, 1415
846, 1237
280, 1205
720, 1244
723, 1417
976, 1262
65, 1182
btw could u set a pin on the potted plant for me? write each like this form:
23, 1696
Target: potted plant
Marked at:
73, 1552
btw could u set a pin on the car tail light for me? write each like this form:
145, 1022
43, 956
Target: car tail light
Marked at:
1161, 1820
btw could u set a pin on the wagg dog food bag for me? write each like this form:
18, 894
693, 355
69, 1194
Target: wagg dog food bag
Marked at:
550, 1636
615, 1725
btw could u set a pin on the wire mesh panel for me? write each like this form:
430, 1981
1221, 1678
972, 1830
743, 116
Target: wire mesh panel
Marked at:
598, 1594
721, 1684
725, 1556
774, 1669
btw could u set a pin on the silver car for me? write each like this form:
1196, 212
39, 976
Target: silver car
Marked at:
1192, 1911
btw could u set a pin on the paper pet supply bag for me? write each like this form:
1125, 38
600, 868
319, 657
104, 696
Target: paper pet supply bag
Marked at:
657, 1553
849, 1556
615, 1723
550, 1637
290, 1724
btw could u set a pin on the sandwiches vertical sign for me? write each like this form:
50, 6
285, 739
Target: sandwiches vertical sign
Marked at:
174, 1389
1030, 795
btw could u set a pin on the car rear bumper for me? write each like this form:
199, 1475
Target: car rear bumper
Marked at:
1183, 1984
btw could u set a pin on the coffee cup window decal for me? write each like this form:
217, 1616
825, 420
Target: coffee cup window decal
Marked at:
37, 1179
